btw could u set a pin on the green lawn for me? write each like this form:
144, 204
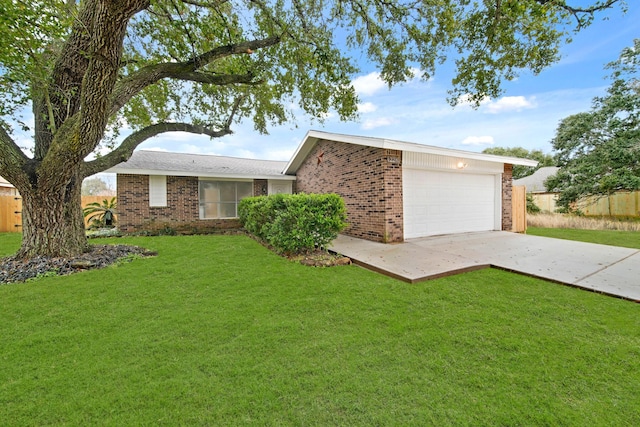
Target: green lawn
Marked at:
627, 239
219, 331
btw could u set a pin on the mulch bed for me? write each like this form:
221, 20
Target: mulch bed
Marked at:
321, 259
14, 270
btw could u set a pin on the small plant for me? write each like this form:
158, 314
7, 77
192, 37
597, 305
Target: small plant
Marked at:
101, 215
49, 273
167, 231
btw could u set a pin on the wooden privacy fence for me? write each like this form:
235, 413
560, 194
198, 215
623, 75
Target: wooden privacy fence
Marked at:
519, 208
623, 204
618, 204
545, 201
11, 211
10, 214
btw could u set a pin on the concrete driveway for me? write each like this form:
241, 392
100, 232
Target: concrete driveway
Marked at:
607, 269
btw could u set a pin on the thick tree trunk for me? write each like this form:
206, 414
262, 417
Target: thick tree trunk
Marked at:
52, 221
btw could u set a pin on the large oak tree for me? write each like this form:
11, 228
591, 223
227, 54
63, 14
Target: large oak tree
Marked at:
599, 151
87, 67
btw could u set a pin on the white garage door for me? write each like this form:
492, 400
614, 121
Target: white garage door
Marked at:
446, 202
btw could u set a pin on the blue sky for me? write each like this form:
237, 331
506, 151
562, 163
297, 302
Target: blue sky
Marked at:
526, 115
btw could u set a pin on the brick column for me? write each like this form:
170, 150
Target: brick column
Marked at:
260, 187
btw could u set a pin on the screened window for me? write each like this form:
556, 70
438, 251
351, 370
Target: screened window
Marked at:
219, 199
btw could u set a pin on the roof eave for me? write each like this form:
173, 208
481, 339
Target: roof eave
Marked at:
135, 171
312, 137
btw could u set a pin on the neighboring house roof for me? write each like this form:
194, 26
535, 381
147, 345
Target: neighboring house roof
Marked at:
535, 181
313, 137
5, 183
181, 164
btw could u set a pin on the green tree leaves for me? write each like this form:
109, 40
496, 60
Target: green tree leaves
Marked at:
522, 171
599, 150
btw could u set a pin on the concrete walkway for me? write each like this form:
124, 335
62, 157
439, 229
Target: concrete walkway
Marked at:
607, 269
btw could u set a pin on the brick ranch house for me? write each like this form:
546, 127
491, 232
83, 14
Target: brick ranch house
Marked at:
393, 190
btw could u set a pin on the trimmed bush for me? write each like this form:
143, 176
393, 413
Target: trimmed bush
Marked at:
294, 223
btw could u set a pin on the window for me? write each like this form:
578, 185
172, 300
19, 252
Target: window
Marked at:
219, 199
157, 190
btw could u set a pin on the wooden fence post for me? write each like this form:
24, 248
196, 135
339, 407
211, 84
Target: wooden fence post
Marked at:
10, 214
519, 208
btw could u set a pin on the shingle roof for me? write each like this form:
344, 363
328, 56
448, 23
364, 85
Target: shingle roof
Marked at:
162, 163
535, 181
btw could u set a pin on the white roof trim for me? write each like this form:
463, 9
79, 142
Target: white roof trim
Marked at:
312, 137
121, 170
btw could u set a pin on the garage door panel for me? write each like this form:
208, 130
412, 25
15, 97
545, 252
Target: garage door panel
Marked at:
438, 202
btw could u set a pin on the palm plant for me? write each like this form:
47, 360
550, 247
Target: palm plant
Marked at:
101, 214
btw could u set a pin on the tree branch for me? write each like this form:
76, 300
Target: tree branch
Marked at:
591, 9
9, 149
63, 92
218, 79
146, 76
580, 12
125, 150
12, 160
210, 4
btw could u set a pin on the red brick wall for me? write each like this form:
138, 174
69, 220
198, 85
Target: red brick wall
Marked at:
181, 213
368, 179
507, 188
260, 187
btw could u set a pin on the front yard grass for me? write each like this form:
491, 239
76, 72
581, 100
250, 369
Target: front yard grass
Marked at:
217, 330
627, 239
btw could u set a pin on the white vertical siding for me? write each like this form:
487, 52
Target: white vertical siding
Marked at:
446, 163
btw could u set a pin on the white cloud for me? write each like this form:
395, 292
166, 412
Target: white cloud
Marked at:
281, 155
510, 103
504, 104
367, 107
372, 83
369, 84
478, 140
417, 74
377, 123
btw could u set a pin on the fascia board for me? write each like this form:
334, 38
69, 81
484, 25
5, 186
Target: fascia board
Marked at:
312, 137
118, 170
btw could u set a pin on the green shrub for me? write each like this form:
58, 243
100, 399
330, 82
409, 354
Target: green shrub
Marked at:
294, 223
